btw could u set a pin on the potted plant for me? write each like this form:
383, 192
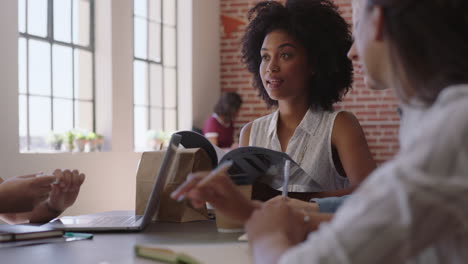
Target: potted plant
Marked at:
156, 139
91, 139
55, 141
80, 141
99, 142
69, 140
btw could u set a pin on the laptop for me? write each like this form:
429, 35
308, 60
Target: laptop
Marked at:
125, 222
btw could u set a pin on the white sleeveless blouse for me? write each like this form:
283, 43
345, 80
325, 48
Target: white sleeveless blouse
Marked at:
310, 147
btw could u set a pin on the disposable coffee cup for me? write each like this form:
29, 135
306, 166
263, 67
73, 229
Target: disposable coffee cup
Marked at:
229, 225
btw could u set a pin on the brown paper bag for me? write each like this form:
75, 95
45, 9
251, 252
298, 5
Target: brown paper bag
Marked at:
187, 160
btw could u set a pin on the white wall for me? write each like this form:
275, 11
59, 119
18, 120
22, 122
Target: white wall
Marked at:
110, 182
206, 58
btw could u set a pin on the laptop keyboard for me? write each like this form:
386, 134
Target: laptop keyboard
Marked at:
115, 220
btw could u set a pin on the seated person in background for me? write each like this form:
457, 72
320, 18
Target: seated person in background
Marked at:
301, 67
36, 199
219, 128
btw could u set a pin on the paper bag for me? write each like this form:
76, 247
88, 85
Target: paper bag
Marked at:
187, 160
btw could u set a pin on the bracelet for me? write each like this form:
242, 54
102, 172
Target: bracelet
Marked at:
52, 210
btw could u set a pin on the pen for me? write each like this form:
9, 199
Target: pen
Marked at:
286, 178
78, 235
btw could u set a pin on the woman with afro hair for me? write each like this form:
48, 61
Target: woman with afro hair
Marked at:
297, 54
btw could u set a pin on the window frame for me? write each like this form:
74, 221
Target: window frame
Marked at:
49, 39
148, 61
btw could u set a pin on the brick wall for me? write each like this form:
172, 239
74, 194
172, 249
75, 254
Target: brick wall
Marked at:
376, 110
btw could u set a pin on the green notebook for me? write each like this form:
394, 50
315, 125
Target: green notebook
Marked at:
164, 255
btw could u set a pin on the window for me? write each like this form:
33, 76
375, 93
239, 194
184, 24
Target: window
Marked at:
56, 69
154, 68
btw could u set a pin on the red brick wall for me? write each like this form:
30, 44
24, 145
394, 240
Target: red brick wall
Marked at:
376, 110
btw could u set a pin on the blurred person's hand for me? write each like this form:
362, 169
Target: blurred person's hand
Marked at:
299, 205
288, 223
65, 190
273, 229
219, 190
23, 193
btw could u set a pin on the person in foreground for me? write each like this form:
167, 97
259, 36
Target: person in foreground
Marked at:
36, 198
301, 68
413, 208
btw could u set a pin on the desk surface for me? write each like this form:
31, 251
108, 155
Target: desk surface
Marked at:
109, 248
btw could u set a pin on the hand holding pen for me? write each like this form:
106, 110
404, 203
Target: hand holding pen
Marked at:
219, 190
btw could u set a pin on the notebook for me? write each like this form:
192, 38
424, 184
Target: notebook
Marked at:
226, 253
25, 232
164, 255
125, 223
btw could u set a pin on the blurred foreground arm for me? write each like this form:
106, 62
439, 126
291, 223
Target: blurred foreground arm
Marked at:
219, 190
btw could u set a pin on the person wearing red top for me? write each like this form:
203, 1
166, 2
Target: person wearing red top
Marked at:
219, 128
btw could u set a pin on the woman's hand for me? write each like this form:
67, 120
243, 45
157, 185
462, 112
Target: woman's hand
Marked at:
23, 193
299, 205
273, 229
65, 191
216, 188
287, 220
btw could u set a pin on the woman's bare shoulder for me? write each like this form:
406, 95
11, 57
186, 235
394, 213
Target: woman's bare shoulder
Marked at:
245, 134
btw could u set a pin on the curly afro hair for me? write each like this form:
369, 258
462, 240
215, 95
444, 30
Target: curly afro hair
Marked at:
325, 35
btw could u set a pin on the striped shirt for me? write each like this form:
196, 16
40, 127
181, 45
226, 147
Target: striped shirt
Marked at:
414, 208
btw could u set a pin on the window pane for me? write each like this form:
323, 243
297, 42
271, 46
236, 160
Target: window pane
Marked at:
155, 42
155, 10
156, 119
83, 74
23, 122
63, 115
140, 88
170, 120
81, 19
62, 20
156, 85
140, 7
140, 126
39, 67
37, 17
140, 38
39, 121
22, 16
169, 13
84, 115
62, 71
22, 65
170, 88
169, 38
39, 116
